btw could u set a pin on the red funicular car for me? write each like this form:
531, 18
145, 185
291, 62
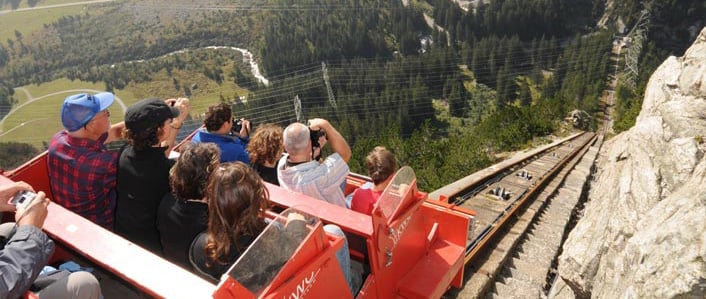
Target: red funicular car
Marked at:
411, 247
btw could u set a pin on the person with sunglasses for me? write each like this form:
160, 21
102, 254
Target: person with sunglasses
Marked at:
82, 171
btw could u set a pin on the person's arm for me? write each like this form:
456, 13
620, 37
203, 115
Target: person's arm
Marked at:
244, 131
338, 143
27, 251
23, 257
183, 105
115, 132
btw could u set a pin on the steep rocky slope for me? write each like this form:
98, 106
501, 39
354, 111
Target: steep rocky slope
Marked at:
643, 233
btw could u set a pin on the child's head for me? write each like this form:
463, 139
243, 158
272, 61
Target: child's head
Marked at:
381, 164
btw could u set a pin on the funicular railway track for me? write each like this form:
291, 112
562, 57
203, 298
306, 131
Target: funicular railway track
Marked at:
500, 197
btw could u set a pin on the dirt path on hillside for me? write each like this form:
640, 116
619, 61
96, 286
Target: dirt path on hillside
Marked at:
53, 6
32, 99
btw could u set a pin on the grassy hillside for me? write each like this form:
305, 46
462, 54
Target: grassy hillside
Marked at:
27, 21
36, 122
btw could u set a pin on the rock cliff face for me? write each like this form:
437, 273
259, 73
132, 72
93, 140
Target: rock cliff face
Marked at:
643, 233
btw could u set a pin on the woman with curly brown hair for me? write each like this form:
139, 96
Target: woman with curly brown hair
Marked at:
183, 213
265, 150
237, 203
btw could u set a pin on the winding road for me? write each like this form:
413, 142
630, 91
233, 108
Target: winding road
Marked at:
32, 99
2, 12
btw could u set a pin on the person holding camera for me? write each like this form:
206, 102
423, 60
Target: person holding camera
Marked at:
300, 171
25, 249
151, 127
230, 134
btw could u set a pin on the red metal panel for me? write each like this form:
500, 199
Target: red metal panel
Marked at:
431, 276
348, 220
321, 277
123, 258
34, 173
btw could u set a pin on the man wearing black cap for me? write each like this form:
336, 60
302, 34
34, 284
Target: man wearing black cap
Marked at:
82, 172
143, 168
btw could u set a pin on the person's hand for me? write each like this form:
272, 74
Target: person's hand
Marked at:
316, 124
183, 105
35, 213
115, 132
322, 140
8, 191
245, 129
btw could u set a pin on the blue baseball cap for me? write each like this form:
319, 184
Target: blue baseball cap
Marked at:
79, 109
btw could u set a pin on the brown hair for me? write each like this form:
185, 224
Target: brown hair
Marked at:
217, 115
237, 200
381, 164
189, 176
145, 139
265, 144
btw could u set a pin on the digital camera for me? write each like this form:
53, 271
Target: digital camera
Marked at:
23, 199
315, 135
237, 126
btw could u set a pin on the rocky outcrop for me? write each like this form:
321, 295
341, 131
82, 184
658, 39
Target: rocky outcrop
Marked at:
643, 232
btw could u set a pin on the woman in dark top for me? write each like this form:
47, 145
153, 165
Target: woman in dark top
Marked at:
237, 200
265, 149
183, 213
143, 168
237, 203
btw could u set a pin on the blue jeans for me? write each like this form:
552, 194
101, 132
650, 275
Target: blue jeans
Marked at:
342, 255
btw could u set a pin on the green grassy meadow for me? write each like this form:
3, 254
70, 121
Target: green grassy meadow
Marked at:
36, 122
29, 21
25, 4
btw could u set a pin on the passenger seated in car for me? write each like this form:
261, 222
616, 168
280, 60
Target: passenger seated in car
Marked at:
300, 171
265, 150
381, 166
82, 171
222, 129
237, 202
143, 168
183, 212
25, 250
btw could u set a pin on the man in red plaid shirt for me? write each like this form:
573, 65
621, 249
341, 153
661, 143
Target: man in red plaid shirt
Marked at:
82, 171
